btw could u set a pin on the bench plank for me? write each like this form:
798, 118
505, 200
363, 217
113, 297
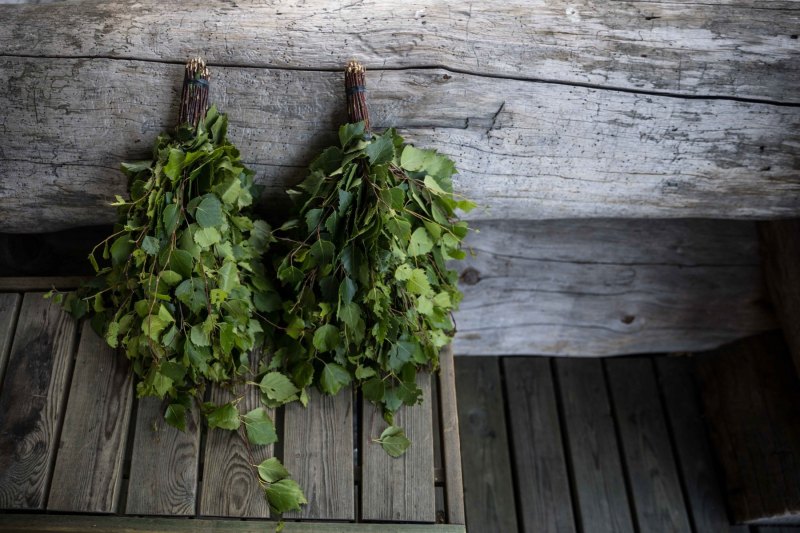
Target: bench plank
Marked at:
488, 485
543, 479
318, 451
82, 524
451, 446
737, 49
599, 481
88, 472
402, 488
685, 416
9, 309
164, 463
645, 444
230, 485
525, 150
33, 400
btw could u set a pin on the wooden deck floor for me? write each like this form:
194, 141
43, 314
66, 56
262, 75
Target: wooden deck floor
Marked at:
587, 445
73, 439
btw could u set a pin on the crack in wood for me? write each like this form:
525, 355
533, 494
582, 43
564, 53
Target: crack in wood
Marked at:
432, 66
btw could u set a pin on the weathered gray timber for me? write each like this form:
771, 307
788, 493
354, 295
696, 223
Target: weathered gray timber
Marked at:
131, 524
542, 476
617, 478
90, 416
318, 445
88, 470
602, 287
598, 476
164, 463
228, 473
488, 478
448, 405
702, 487
524, 149
742, 49
401, 488
652, 470
33, 401
609, 287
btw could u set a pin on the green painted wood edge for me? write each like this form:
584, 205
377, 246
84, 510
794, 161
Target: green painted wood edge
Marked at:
130, 524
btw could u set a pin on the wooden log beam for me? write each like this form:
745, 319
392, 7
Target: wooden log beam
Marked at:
609, 287
740, 48
594, 287
524, 149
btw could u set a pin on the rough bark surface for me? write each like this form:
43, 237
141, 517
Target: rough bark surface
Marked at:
551, 109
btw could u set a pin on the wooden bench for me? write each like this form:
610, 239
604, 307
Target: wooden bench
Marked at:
74, 439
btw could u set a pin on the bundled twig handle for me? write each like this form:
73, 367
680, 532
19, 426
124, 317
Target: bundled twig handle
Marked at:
194, 96
356, 89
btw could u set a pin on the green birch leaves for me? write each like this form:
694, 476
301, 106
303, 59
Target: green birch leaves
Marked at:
184, 269
183, 284
362, 271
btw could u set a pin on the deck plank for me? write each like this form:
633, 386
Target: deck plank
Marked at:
685, 415
164, 463
645, 444
9, 308
33, 400
402, 488
488, 485
318, 451
598, 478
543, 478
454, 480
230, 485
88, 471
129, 524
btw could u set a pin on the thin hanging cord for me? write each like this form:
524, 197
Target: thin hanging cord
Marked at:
194, 96
356, 90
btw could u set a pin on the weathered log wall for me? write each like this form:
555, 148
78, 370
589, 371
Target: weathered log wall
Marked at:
606, 287
552, 110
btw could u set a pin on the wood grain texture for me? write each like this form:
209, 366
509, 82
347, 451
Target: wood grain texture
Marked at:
645, 443
129, 524
163, 478
318, 450
9, 309
451, 444
751, 397
609, 287
703, 488
230, 483
41, 283
399, 489
488, 482
88, 471
525, 150
742, 48
592, 446
542, 474
780, 241
33, 400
